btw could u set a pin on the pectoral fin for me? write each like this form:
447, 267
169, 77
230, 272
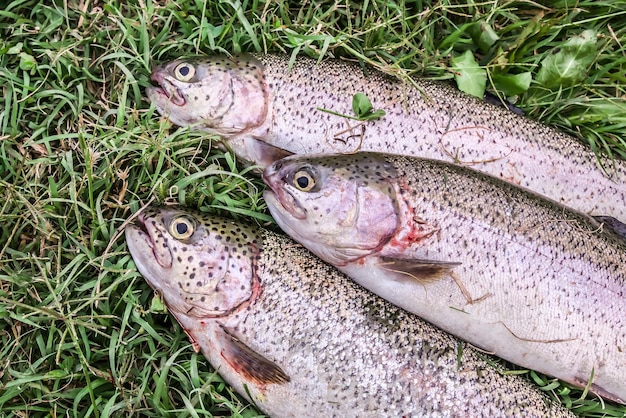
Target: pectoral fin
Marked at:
423, 271
264, 154
252, 366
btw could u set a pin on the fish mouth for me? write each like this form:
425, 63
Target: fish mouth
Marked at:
147, 235
165, 89
277, 193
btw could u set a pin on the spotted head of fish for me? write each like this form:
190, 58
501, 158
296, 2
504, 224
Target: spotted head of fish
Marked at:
352, 210
227, 96
203, 266
342, 207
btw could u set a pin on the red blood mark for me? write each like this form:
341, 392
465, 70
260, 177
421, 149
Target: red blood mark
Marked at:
412, 228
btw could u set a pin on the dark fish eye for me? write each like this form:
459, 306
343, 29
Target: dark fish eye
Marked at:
184, 72
303, 180
182, 227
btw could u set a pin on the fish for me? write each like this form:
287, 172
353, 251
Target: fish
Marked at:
295, 337
613, 224
514, 273
265, 109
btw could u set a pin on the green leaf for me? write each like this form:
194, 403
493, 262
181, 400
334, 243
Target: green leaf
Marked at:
566, 65
15, 49
469, 76
375, 115
512, 84
56, 374
27, 62
157, 305
363, 108
483, 35
361, 105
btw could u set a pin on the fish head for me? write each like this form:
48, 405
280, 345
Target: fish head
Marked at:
227, 96
203, 266
341, 207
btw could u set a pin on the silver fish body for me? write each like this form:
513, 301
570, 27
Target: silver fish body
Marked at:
260, 97
516, 274
297, 338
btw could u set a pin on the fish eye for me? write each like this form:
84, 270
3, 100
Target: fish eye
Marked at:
182, 227
303, 180
184, 72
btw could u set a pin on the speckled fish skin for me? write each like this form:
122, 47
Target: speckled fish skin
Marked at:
518, 275
259, 97
303, 338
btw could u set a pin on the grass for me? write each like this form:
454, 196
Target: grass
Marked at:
81, 150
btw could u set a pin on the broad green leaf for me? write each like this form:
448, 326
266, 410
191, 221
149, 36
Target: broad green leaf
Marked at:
361, 105
566, 65
157, 305
483, 35
512, 84
15, 49
469, 76
363, 108
27, 61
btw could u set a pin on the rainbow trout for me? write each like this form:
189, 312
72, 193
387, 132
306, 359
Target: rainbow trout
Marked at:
297, 338
250, 97
516, 274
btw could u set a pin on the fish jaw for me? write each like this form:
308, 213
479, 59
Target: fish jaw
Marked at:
280, 195
151, 261
286, 222
203, 275
166, 93
223, 96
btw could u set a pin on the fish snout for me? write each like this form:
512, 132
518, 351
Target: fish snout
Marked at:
164, 90
156, 75
270, 175
275, 166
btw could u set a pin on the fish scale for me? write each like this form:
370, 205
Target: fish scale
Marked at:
285, 108
518, 275
310, 342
